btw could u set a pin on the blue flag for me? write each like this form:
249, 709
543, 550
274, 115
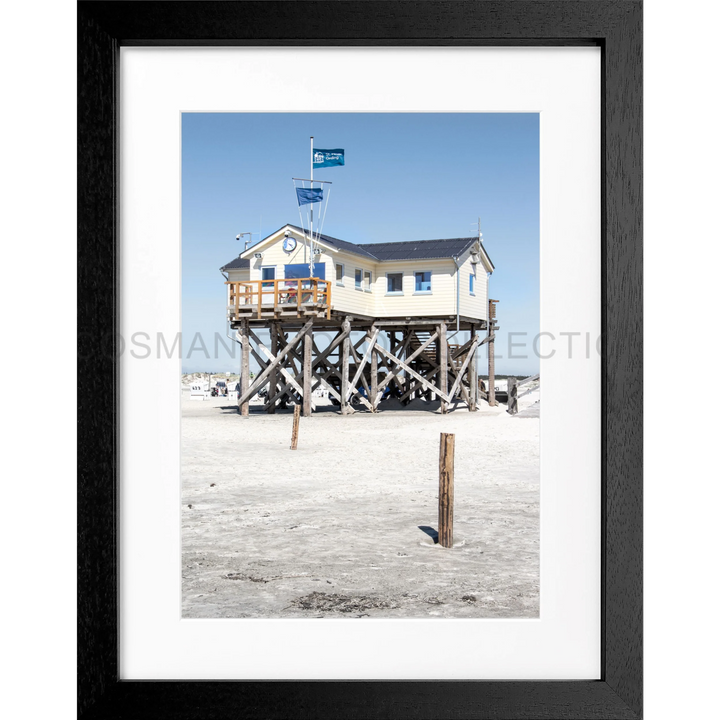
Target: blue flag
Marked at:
306, 196
328, 158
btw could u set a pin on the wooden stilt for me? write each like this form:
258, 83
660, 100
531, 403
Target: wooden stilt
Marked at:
307, 372
473, 374
373, 377
446, 494
443, 362
420, 364
345, 409
491, 353
243, 403
274, 342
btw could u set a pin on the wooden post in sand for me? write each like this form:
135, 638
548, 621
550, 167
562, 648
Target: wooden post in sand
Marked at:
446, 495
512, 396
296, 428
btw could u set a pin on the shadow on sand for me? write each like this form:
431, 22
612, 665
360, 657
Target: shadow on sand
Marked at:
429, 531
260, 410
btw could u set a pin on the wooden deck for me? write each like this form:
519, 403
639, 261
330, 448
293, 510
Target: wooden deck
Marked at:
279, 299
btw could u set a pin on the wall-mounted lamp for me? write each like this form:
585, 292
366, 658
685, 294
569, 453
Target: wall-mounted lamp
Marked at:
258, 256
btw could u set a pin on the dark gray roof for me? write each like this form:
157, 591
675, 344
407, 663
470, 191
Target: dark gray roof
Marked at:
388, 251
236, 264
408, 250
419, 249
341, 244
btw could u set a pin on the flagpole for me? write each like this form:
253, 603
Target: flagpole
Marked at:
312, 249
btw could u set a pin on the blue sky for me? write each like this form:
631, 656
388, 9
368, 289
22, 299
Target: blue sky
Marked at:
407, 176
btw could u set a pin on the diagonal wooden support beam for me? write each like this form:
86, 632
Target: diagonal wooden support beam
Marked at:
364, 382
275, 363
292, 357
329, 388
278, 365
259, 359
463, 367
361, 364
457, 375
338, 339
283, 389
528, 380
417, 385
461, 350
393, 373
425, 383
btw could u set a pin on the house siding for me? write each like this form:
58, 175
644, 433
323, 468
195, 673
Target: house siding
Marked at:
473, 306
441, 301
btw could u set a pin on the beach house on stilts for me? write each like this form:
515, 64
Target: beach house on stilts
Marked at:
391, 311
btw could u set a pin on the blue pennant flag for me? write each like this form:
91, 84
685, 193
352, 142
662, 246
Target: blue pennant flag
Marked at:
307, 196
328, 158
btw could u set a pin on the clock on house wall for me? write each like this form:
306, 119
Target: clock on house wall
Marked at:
289, 243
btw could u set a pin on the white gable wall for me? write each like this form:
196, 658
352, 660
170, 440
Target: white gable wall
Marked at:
474, 306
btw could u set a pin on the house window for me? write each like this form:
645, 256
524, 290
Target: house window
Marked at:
358, 279
472, 283
368, 281
423, 282
339, 273
268, 273
394, 283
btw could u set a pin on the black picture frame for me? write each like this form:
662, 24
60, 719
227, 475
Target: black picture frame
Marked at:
613, 25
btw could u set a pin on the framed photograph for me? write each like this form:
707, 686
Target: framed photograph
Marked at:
332, 257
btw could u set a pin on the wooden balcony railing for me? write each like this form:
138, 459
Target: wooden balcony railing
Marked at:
265, 298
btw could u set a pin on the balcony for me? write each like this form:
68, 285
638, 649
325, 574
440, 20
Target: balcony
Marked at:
279, 299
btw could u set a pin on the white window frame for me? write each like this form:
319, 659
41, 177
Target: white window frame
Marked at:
360, 286
341, 282
422, 292
263, 268
472, 282
402, 284
365, 278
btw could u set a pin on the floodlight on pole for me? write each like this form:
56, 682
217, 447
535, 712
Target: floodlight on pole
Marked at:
247, 242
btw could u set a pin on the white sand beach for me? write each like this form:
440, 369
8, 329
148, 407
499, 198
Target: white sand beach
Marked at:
342, 527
